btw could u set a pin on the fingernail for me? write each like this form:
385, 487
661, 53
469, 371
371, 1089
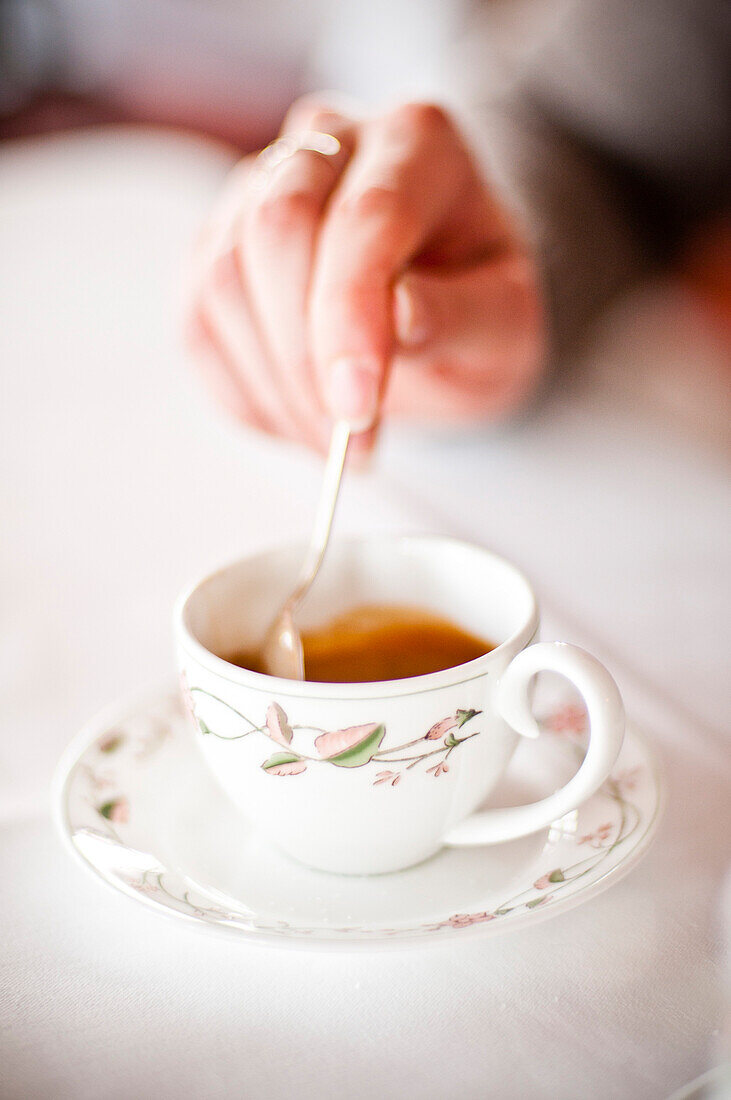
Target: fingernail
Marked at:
411, 323
353, 392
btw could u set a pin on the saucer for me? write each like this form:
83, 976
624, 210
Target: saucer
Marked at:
135, 803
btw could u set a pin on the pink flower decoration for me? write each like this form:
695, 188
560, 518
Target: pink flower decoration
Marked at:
119, 811
627, 780
387, 777
438, 769
542, 883
464, 920
441, 729
293, 767
278, 728
332, 744
570, 720
598, 837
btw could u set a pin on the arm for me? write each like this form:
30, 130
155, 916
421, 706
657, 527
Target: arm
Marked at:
403, 279
613, 144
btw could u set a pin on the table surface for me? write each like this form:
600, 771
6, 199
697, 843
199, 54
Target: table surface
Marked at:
121, 483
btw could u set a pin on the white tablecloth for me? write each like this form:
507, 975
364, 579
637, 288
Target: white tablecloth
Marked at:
120, 483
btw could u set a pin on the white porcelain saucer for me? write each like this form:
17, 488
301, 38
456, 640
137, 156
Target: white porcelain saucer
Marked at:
135, 803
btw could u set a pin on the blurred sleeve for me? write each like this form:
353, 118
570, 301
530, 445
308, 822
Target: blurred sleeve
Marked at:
27, 52
613, 144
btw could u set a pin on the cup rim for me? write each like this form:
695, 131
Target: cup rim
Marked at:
375, 689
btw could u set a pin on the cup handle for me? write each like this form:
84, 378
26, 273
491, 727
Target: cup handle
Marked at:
606, 719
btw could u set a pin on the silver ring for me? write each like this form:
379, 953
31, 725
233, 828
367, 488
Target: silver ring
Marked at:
309, 141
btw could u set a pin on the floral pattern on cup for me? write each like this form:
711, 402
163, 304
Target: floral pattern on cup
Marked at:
164, 886
116, 810
569, 721
545, 882
350, 747
599, 837
465, 920
111, 742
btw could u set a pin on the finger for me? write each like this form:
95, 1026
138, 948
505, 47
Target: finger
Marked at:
276, 243
218, 329
215, 233
219, 373
470, 341
360, 448
225, 306
382, 214
213, 238
310, 112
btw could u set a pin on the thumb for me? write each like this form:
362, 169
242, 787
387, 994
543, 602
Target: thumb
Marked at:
468, 340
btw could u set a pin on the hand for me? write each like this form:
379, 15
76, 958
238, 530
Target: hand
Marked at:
387, 278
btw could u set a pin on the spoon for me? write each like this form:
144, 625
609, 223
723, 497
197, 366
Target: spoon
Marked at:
282, 654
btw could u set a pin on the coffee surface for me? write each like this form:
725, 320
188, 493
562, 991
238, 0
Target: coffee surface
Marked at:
380, 642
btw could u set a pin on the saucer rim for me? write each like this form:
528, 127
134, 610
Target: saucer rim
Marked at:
113, 713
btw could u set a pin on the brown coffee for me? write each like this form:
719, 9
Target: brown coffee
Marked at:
380, 642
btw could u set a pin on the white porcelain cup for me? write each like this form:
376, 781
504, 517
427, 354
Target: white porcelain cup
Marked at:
367, 778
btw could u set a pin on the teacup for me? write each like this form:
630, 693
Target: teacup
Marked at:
373, 777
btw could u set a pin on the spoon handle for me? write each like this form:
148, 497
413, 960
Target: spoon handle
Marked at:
325, 509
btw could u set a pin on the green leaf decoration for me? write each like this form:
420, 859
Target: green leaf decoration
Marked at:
360, 754
502, 912
111, 744
280, 758
463, 716
535, 901
203, 727
556, 876
450, 741
107, 809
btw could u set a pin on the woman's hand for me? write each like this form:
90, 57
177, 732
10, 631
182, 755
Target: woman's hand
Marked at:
386, 278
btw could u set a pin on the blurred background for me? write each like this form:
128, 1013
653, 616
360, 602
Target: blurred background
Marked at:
229, 69
232, 67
